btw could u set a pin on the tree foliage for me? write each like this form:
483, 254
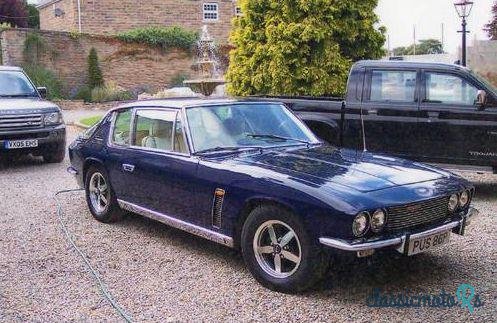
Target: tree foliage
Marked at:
164, 37
14, 12
426, 46
300, 47
33, 17
491, 27
95, 77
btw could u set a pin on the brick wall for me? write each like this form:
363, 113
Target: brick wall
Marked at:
132, 66
113, 16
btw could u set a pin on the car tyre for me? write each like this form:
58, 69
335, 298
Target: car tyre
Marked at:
302, 262
55, 156
100, 197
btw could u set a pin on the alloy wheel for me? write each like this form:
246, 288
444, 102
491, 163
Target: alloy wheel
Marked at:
277, 249
99, 192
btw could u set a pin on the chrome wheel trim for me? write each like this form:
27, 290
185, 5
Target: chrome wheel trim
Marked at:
277, 249
99, 192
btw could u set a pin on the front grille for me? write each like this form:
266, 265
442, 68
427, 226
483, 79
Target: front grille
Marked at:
416, 214
24, 121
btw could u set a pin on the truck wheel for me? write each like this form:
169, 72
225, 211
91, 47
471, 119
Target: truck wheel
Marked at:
55, 156
100, 197
279, 252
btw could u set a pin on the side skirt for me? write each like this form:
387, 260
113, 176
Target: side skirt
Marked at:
178, 224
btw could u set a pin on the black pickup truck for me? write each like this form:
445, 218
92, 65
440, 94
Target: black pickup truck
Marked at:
28, 123
436, 113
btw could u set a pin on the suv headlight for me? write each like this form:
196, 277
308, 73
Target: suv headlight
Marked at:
464, 198
453, 202
52, 118
361, 224
378, 220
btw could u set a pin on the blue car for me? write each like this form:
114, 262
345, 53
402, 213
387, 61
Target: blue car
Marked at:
251, 175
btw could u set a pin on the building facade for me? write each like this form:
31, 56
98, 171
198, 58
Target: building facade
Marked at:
114, 16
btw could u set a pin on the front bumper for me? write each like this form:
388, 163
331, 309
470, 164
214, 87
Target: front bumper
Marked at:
48, 138
399, 243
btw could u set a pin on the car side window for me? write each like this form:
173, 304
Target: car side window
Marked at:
399, 86
122, 124
154, 129
449, 89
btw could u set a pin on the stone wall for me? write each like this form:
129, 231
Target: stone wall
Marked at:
132, 66
113, 16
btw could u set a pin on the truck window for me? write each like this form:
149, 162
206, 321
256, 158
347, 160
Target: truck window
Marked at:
397, 86
449, 89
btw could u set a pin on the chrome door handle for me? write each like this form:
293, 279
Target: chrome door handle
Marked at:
373, 112
128, 168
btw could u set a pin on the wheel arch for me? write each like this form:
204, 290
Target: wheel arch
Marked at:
249, 206
91, 162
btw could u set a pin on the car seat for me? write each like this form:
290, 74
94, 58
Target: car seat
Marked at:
159, 135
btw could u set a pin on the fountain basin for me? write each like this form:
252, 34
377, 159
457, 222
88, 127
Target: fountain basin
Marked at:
204, 86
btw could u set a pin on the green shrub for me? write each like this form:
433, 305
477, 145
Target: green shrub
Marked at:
91, 121
164, 37
178, 79
95, 77
44, 77
83, 93
34, 47
110, 92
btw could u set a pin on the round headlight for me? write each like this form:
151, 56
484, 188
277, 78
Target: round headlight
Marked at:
378, 220
361, 224
453, 202
464, 198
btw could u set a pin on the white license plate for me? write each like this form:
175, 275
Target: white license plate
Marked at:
427, 243
19, 144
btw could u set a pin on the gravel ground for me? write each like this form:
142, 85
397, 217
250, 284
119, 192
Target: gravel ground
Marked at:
161, 274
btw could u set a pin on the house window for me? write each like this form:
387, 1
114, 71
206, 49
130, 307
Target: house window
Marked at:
211, 11
238, 11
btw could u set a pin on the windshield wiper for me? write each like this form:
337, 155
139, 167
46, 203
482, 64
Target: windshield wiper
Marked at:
269, 136
224, 149
25, 95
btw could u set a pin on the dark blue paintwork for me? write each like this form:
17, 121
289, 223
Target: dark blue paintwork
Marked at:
324, 185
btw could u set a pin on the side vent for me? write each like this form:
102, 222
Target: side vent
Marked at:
217, 207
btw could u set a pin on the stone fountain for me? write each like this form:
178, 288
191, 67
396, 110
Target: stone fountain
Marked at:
207, 66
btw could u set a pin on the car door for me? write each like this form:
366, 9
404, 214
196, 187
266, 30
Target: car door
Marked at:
390, 110
452, 127
159, 171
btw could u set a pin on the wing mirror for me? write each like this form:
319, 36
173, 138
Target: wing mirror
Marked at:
42, 91
481, 99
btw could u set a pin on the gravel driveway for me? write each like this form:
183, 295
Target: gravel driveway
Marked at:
158, 273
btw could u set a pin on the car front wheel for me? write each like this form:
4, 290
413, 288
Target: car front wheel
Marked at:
100, 196
279, 252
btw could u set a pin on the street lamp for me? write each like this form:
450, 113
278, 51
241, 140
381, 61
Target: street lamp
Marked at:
463, 9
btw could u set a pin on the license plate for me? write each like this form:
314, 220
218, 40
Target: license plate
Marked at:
427, 243
19, 144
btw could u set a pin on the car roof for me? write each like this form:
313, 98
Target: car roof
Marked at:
178, 103
409, 64
10, 68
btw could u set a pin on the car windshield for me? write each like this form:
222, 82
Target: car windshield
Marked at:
15, 84
487, 83
240, 126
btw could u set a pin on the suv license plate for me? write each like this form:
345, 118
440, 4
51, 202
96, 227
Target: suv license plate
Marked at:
427, 243
19, 144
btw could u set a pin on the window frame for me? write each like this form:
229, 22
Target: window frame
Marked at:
424, 89
178, 112
369, 79
205, 11
110, 139
238, 11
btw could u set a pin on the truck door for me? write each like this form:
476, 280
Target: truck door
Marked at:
452, 127
390, 109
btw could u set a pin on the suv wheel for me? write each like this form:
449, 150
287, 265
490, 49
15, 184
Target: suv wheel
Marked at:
279, 252
100, 196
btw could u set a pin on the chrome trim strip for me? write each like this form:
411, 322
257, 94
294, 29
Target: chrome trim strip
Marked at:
178, 224
400, 242
344, 245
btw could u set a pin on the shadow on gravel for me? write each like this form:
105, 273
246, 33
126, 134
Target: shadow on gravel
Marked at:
486, 190
19, 162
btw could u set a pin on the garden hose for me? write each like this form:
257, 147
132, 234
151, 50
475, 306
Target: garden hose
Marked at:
103, 288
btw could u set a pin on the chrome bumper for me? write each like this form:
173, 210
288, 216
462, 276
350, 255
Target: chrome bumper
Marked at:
399, 243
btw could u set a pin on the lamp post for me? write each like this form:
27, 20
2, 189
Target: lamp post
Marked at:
463, 9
